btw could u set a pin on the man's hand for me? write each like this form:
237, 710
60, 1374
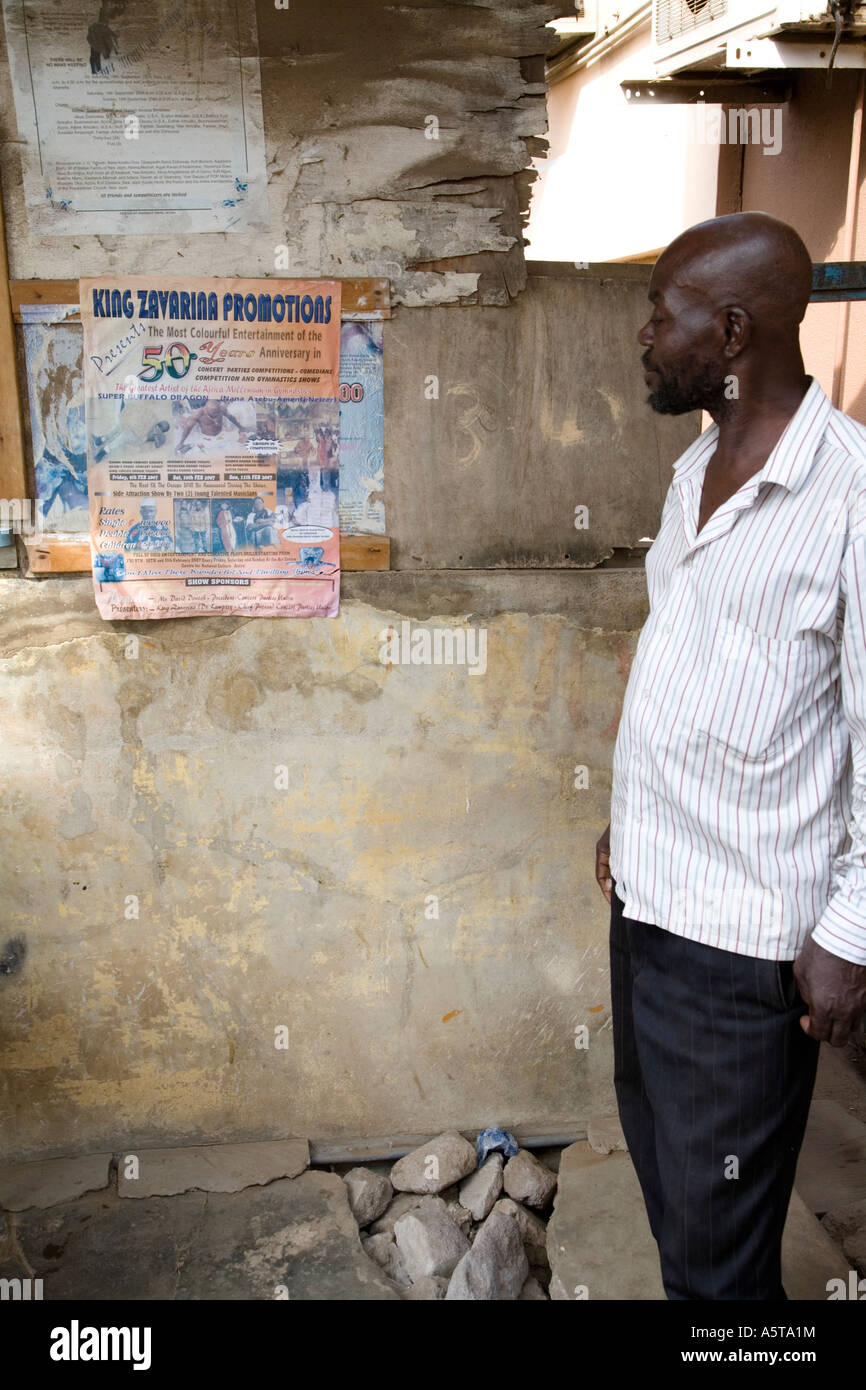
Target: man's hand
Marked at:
602, 863
835, 991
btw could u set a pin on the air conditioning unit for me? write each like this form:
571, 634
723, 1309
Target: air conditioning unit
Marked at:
705, 34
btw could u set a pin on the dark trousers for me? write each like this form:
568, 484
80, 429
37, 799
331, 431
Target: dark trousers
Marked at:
714, 1078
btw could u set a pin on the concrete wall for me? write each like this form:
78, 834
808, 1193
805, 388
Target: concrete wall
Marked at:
306, 907
236, 826
539, 411
152, 776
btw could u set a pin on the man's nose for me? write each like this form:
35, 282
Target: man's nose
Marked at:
645, 336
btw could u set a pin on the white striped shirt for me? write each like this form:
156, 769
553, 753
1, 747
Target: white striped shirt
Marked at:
738, 806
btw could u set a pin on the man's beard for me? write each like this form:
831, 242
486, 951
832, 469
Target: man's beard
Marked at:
703, 389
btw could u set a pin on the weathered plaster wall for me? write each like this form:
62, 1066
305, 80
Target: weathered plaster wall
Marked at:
539, 409
355, 186
155, 777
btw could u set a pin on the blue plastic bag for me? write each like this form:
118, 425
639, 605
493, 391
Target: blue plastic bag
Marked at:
489, 1140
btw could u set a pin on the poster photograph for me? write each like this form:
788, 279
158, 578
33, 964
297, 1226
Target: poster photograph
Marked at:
213, 441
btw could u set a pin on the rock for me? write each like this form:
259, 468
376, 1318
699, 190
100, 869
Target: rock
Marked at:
369, 1194
527, 1180
429, 1287
533, 1230
532, 1291
845, 1221
403, 1202
434, 1166
495, 1268
847, 1226
541, 1273
48, 1181
854, 1249
479, 1191
460, 1216
605, 1135
384, 1251
429, 1242
211, 1168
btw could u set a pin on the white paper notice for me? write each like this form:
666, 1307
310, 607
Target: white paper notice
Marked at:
139, 116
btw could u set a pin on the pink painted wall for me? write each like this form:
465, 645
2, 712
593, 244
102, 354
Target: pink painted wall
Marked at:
806, 185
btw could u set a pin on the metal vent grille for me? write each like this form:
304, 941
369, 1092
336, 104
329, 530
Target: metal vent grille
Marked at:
675, 17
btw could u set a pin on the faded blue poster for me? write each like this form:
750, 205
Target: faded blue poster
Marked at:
362, 431
55, 387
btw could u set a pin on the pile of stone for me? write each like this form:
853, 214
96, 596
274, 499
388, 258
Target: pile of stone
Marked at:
442, 1228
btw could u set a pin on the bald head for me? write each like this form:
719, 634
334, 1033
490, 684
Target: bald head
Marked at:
728, 298
749, 260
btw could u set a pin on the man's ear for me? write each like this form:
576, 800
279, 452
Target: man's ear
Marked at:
737, 328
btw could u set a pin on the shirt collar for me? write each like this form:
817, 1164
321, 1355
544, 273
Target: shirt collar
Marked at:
791, 459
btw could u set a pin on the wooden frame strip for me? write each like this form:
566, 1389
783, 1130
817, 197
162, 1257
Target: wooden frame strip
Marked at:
13, 471
360, 299
71, 555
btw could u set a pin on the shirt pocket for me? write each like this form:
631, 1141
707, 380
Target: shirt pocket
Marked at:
757, 687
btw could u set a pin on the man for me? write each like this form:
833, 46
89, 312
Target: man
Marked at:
184, 541
261, 525
735, 861
226, 526
210, 419
102, 39
284, 515
320, 507
148, 533
199, 520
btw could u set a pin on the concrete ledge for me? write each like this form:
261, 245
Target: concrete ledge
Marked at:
599, 1238
212, 1168
47, 1182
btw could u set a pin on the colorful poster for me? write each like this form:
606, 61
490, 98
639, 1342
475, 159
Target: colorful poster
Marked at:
55, 382
55, 388
362, 431
213, 429
138, 116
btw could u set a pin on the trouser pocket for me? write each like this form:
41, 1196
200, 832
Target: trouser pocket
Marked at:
786, 985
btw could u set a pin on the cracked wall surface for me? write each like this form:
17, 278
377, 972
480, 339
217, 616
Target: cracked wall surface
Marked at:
539, 409
240, 827
305, 906
355, 186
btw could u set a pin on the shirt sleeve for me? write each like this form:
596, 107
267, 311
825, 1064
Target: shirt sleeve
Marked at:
841, 928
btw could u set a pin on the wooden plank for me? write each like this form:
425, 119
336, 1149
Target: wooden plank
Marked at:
13, 473
57, 555
68, 555
360, 299
365, 553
